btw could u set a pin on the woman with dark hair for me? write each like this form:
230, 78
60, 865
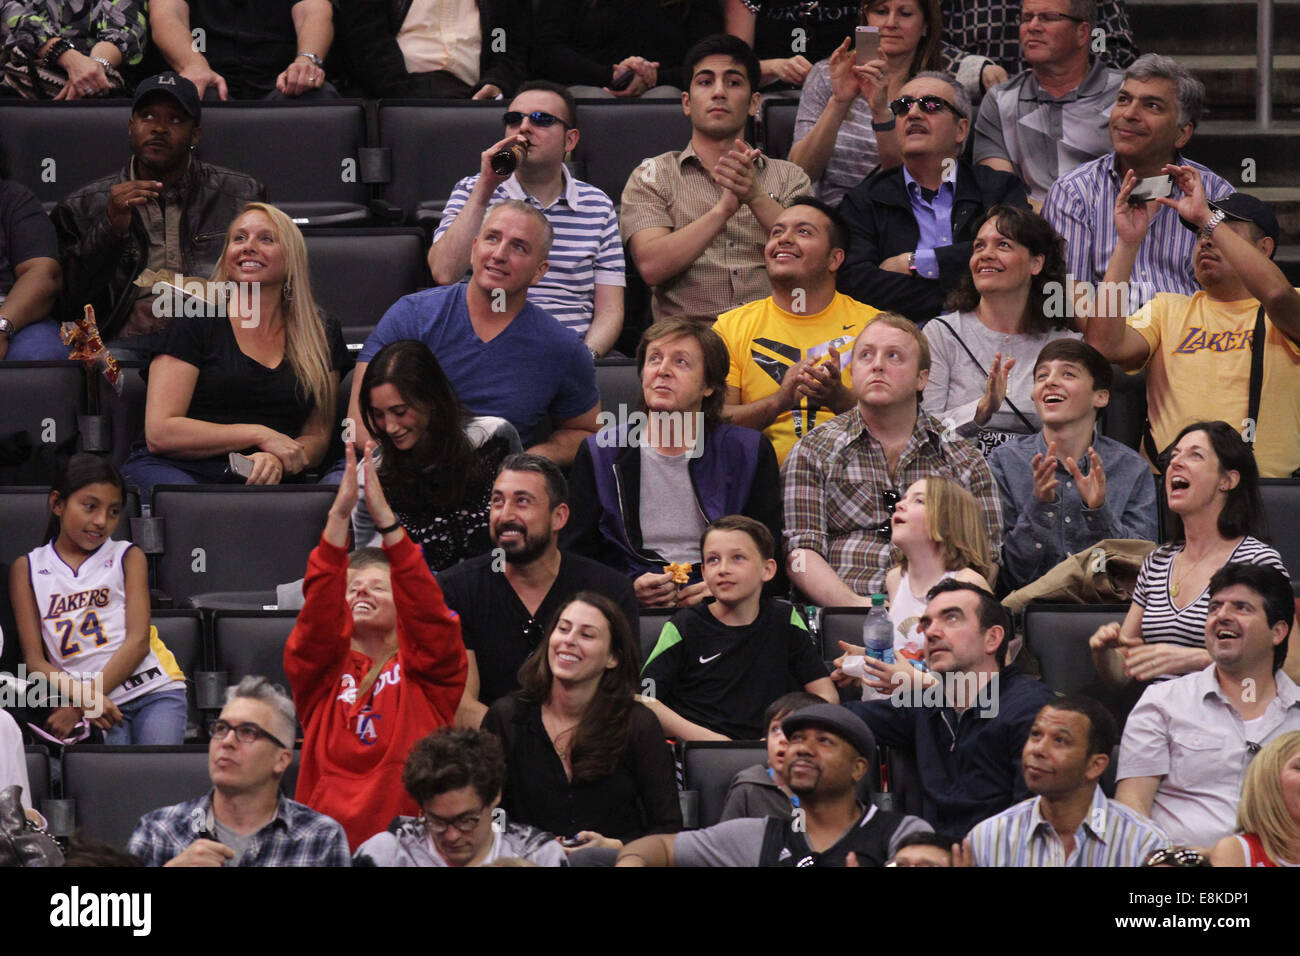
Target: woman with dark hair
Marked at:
844, 128
1212, 488
30, 274
1002, 318
71, 49
587, 44
643, 490
436, 461
585, 760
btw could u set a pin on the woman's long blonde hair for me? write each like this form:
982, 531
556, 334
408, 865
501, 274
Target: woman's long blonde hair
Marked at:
305, 345
1262, 810
954, 521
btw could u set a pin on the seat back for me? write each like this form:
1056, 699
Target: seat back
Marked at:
115, 786
1125, 416
618, 136
356, 274
25, 512
181, 630
1281, 498
252, 642
1057, 636
434, 144
841, 624
619, 384
126, 411
234, 537
652, 621
47, 143
778, 127
38, 773
708, 768
39, 401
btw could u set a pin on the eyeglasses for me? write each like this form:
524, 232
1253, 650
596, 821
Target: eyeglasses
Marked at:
929, 104
246, 733
537, 118
1047, 18
889, 499
465, 823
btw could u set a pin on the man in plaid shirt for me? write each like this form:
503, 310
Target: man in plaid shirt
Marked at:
244, 820
842, 480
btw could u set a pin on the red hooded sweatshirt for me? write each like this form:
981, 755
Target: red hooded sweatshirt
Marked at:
353, 750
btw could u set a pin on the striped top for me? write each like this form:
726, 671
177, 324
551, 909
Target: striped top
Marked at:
1161, 620
587, 251
1081, 207
1110, 835
854, 154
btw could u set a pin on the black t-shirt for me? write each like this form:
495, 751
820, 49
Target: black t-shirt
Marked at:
25, 232
249, 42
232, 388
724, 677
498, 628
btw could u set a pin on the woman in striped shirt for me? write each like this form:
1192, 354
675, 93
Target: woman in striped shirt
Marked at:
1212, 487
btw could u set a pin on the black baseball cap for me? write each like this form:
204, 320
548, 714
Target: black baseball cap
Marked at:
837, 719
1245, 208
185, 93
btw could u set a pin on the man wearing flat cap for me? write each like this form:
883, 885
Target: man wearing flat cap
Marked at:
165, 210
828, 752
1241, 333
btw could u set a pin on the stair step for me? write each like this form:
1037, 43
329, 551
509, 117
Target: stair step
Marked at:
1178, 27
1230, 80
1226, 145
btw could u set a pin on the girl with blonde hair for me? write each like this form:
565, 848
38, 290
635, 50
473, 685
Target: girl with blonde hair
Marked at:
1269, 813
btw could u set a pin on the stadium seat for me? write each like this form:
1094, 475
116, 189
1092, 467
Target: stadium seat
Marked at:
1124, 418
356, 274
433, 144
307, 155
182, 633
778, 127
25, 512
619, 384
840, 624
707, 769
113, 787
38, 774
39, 405
1281, 497
618, 136
234, 537
1057, 636
252, 642
125, 411
653, 620
47, 143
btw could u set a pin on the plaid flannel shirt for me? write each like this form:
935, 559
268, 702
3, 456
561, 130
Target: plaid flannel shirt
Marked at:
297, 836
833, 482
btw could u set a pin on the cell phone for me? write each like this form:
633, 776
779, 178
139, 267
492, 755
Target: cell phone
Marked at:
240, 465
571, 842
1153, 187
622, 79
867, 40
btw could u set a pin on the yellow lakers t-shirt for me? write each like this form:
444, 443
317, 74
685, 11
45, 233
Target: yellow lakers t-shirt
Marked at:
764, 341
1199, 370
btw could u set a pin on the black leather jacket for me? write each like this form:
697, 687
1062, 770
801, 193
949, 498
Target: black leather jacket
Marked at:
100, 266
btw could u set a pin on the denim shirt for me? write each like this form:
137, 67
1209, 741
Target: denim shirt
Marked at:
1037, 536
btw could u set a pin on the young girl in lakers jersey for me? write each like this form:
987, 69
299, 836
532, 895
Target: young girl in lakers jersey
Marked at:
81, 603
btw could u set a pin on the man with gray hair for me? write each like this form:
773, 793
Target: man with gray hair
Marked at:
1156, 110
1052, 117
244, 820
503, 355
911, 226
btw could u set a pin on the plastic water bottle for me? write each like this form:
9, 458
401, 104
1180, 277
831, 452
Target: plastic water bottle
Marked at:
878, 631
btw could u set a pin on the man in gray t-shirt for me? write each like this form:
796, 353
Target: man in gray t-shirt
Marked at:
830, 750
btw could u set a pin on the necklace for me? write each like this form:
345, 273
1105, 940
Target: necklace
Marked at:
1177, 586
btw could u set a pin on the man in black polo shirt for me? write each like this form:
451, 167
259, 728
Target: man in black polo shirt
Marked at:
247, 49
829, 751
507, 597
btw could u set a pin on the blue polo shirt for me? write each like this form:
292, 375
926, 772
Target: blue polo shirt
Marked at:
533, 370
968, 764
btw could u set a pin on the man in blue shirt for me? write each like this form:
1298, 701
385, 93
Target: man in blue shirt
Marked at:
911, 226
503, 356
966, 725
1066, 488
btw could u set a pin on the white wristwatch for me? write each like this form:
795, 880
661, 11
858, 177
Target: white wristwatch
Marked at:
6, 327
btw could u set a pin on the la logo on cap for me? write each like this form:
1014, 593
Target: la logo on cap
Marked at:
166, 80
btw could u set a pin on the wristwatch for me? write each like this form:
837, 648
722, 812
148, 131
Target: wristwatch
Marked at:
6, 327
911, 262
312, 58
1216, 217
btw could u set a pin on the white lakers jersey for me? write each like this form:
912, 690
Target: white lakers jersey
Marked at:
83, 619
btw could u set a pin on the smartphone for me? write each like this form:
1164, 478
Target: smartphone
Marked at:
622, 80
240, 465
868, 44
571, 842
1153, 187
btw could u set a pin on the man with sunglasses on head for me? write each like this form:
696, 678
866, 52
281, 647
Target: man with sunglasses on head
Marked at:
244, 820
912, 226
583, 284
1052, 117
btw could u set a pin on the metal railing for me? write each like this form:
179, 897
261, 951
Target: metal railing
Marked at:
1264, 64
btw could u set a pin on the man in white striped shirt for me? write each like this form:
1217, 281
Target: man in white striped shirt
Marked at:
1156, 110
1070, 822
583, 286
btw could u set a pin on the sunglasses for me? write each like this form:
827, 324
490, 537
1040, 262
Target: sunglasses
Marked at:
929, 104
889, 499
537, 118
